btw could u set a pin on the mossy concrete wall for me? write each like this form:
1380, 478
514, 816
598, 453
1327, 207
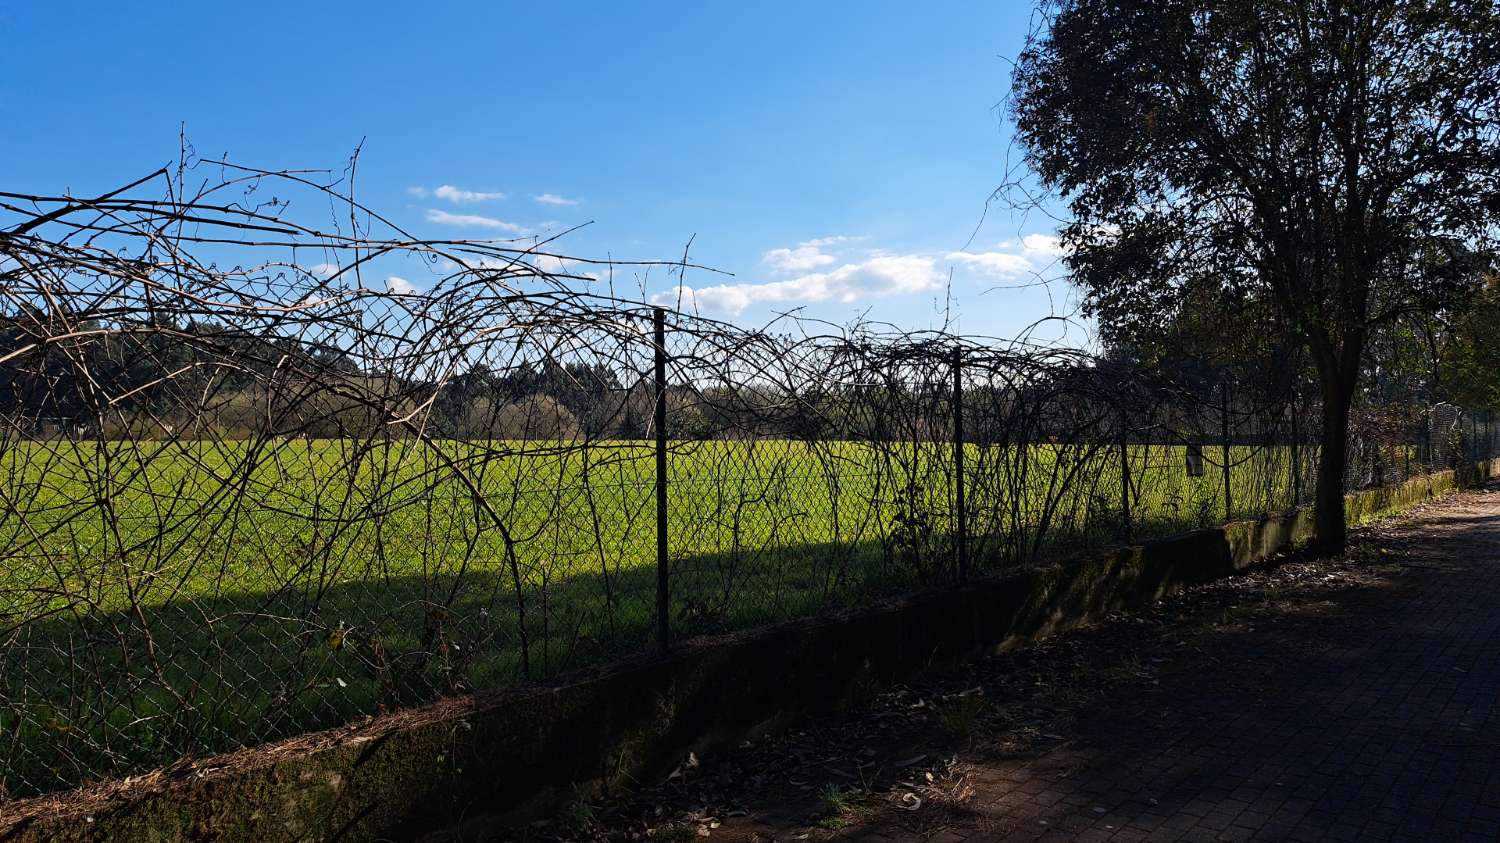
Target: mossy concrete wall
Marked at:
486, 759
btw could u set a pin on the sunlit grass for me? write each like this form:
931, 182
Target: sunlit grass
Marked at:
194, 596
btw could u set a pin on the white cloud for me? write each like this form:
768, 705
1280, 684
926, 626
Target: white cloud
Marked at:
491, 263
400, 286
553, 199
832, 241
459, 195
1004, 264
553, 265
800, 258
1043, 245
877, 274
419, 192
878, 277
1013, 258
323, 270
550, 263
805, 256
1035, 246
471, 221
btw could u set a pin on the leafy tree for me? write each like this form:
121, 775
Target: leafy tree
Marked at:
535, 417
631, 426
1470, 357
1296, 158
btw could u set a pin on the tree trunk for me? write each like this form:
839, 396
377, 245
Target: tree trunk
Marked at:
1328, 506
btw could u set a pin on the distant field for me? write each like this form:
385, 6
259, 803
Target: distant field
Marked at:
237, 514
193, 596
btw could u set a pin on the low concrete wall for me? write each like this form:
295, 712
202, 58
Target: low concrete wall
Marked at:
493, 755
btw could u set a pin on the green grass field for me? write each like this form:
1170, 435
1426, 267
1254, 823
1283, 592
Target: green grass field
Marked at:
195, 596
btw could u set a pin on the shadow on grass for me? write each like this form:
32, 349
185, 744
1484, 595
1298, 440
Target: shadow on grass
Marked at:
91, 695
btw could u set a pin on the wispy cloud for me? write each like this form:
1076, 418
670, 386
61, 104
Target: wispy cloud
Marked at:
456, 195
400, 286
1003, 264
553, 199
822, 276
550, 263
805, 256
472, 221
1036, 247
1043, 245
835, 240
878, 277
554, 265
323, 270
797, 258
1009, 259
488, 263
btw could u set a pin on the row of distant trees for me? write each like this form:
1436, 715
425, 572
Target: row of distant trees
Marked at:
203, 380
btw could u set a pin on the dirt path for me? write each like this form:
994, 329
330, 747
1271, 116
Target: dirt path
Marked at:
1347, 699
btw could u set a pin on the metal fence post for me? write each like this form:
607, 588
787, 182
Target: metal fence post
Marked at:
1224, 430
1125, 475
1406, 457
663, 622
960, 513
1427, 440
1296, 473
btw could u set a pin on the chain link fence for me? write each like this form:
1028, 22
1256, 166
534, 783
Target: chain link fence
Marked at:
245, 503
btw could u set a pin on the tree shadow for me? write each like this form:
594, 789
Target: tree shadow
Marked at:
1297, 717
92, 693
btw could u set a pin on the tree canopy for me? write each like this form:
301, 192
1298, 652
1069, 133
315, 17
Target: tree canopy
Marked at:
1313, 169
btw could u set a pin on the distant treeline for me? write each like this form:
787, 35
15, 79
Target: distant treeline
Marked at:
139, 379
202, 379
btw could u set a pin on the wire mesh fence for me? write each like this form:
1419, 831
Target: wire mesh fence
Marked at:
247, 502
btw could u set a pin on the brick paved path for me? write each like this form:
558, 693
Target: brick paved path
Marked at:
1366, 710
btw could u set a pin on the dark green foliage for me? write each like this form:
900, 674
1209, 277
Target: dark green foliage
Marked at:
1284, 172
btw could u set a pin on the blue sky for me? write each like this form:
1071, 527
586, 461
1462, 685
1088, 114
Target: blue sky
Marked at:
832, 156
